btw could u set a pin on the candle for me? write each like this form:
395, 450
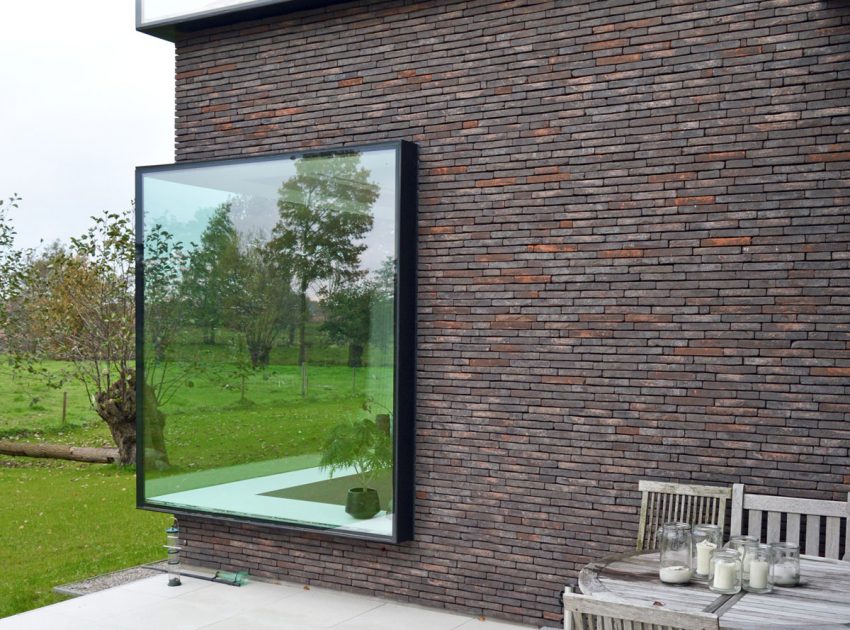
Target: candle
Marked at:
675, 574
704, 550
758, 573
725, 575
784, 575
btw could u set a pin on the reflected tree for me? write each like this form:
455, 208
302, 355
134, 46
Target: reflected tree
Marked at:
324, 210
259, 300
383, 309
348, 320
210, 263
164, 262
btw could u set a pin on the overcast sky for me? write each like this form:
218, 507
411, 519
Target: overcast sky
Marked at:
84, 99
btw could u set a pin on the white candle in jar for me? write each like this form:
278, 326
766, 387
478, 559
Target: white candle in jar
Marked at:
675, 574
705, 549
725, 575
784, 575
758, 573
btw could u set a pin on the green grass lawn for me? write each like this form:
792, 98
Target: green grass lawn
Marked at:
63, 522
28, 403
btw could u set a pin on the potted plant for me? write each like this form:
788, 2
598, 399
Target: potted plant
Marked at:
365, 447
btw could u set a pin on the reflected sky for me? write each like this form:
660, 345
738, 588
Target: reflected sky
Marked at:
183, 200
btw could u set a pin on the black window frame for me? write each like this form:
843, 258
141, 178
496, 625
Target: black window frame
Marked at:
405, 320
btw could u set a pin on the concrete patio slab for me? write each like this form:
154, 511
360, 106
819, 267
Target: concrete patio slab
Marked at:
202, 605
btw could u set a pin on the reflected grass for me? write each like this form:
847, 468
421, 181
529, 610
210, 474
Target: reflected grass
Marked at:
209, 425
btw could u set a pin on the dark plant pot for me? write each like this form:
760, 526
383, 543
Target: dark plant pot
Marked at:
362, 502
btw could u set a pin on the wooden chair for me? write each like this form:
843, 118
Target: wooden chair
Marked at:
589, 613
797, 518
665, 502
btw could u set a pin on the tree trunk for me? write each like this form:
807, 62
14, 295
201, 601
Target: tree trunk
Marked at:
302, 338
260, 352
302, 326
156, 455
355, 355
117, 407
61, 451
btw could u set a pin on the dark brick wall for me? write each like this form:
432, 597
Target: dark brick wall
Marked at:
633, 263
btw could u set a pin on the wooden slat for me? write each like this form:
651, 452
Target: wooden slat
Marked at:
668, 487
833, 531
754, 524
794, 505
847, 531
837, 514
664, 502
610, 613
774, 522
644, 507
813, 535
792, 528
721, 514
737, 510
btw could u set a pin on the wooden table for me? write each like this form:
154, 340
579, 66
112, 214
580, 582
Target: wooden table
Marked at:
821, 601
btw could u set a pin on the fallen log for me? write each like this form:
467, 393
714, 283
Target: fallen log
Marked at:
89, 454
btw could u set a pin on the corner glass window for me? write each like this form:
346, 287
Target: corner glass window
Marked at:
276, 339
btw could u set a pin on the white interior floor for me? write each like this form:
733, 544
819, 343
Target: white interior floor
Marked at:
199, 604
248, 497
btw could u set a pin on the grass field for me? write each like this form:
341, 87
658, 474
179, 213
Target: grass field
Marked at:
64, 521
28, 403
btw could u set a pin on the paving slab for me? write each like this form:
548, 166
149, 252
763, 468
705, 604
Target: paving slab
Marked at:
199, 604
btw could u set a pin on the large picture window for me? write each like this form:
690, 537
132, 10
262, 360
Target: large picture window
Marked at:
276, 339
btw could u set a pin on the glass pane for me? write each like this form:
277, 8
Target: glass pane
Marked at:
269, 339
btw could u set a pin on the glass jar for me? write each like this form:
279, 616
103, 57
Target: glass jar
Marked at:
725, 575
707, 539
675, 545
759, 579
742, 544
786, 563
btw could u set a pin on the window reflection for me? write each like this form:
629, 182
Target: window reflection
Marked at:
269, 339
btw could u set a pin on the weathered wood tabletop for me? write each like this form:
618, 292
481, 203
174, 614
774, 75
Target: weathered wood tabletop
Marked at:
820, 602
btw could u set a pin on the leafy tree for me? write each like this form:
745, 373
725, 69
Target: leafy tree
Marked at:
348, 321
258, 300
11, 259
78, 303
210, 262
324, 210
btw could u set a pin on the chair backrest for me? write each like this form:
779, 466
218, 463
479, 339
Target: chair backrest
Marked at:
589, 613
801, 520
666, 502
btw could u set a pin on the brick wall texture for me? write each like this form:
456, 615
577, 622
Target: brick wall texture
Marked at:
633, 263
